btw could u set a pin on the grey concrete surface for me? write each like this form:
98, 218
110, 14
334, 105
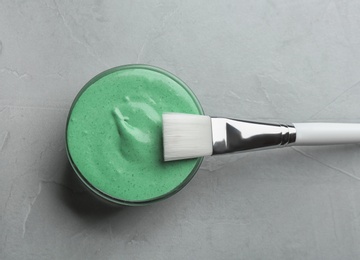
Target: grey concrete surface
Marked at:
282, 61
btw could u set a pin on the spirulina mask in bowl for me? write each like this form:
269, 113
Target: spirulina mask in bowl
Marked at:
114, 134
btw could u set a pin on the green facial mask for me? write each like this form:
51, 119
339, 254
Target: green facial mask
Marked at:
114, 134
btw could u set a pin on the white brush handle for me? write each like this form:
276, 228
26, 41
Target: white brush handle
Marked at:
326, 133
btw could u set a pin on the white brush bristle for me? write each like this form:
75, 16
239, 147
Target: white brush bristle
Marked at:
186, 136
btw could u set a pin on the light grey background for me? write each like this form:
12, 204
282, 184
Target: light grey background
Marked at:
282, 61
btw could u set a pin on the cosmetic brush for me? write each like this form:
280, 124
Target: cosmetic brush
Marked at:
188, 136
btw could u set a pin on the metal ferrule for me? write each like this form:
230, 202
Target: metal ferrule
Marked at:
230, 135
